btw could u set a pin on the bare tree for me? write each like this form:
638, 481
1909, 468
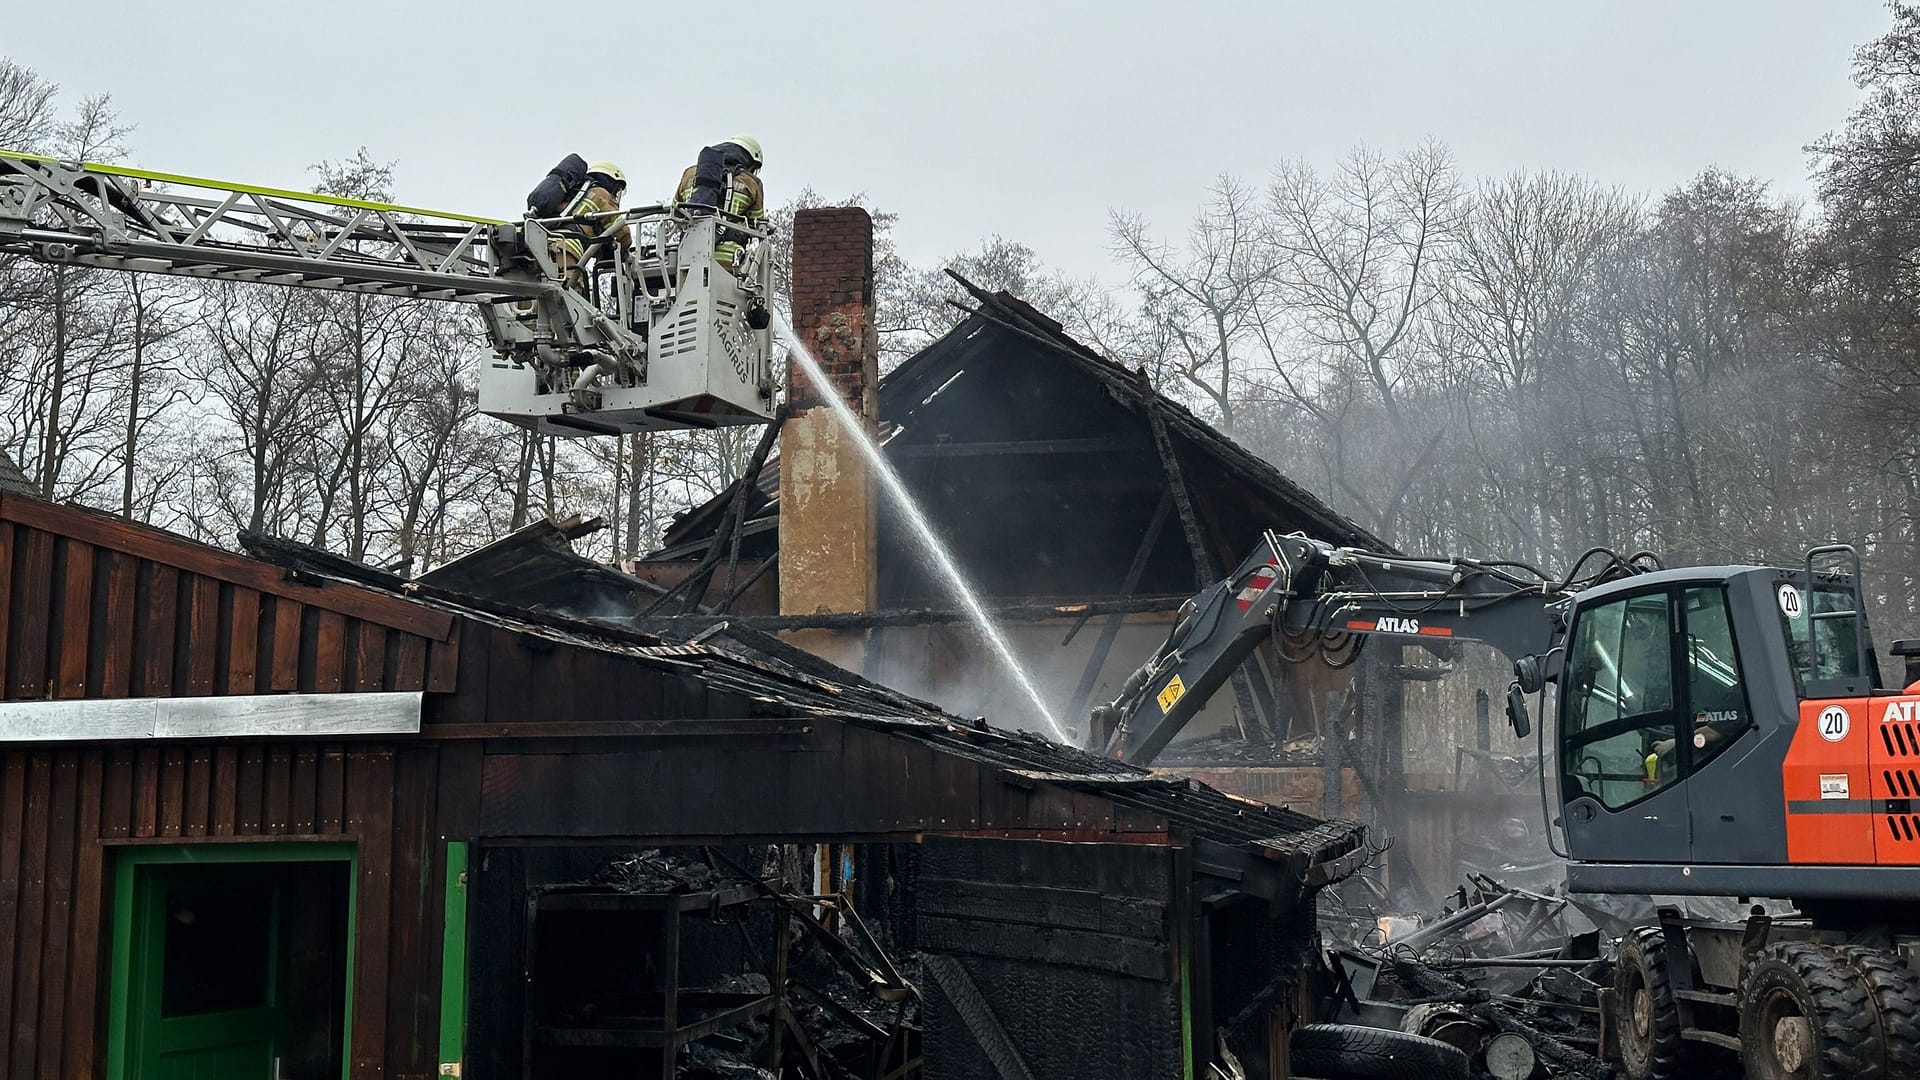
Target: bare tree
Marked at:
1204, 298
259, 375
28, 115
155, 392
66, 316
437, 447
1514, 288
1359, 256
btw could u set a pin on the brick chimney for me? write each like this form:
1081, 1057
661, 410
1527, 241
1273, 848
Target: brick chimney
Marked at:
827, 495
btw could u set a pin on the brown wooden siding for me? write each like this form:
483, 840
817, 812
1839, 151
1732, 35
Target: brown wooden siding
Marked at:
561, 741
63, 814
95, 607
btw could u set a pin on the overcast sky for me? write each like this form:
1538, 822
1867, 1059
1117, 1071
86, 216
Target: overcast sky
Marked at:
1027, 119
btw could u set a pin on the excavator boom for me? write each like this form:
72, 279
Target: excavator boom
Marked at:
1308, 595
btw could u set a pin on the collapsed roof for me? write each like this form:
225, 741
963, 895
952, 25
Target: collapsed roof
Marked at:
1274, 851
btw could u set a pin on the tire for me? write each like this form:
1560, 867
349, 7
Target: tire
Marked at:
1806, 1013
1350, 1052
1894, 993
1649, 1026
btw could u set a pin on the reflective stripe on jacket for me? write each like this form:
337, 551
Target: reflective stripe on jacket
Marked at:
595, 200
745, 197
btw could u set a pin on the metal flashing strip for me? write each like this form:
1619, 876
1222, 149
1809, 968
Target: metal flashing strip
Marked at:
1098, 779
238, 716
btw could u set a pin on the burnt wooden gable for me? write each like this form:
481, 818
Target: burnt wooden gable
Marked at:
1046, 468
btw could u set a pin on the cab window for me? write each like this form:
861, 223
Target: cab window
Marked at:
1716, 693
1620, 709
1839, 638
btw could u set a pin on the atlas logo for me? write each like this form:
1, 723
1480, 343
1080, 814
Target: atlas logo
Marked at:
1901, 710
1394, 624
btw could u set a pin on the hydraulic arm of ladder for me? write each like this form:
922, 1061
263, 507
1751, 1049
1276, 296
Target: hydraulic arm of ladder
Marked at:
128, 219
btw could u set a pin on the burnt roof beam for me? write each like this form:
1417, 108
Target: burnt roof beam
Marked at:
1103, 445
1204, 568
730, 526
749, 484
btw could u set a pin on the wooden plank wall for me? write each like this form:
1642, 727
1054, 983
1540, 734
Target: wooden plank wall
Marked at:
95, 607
65, 813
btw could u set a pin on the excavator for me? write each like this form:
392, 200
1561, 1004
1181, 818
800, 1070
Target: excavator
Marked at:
1716, 731
662, 336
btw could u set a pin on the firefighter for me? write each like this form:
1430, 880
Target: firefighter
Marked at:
727, 177
605, 185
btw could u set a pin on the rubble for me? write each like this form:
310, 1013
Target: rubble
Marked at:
653, 871
1227, 748
839, 1007
1509, 976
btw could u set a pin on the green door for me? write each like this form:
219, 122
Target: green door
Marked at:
207, 992
231, 962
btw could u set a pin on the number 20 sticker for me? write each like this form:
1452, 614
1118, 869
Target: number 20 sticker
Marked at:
1789, 598
1834, 723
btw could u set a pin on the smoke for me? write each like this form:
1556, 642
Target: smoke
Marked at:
949, 665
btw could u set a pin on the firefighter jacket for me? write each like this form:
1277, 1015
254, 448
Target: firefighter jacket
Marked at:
595, 200
745, 197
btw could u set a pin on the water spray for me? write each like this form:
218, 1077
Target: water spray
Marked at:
897, 491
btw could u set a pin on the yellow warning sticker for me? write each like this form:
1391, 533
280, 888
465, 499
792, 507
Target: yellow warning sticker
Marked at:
1173, 692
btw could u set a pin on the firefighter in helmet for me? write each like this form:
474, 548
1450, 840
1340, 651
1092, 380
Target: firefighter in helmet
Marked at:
605, 185
727, 178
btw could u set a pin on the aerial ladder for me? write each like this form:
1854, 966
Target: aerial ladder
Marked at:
663, 336
1717, 731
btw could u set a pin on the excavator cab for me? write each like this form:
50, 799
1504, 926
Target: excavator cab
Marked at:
1726, 731
1652, 690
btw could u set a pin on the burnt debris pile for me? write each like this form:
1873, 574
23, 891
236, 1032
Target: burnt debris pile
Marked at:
1228, 748
687, 963
1508, 977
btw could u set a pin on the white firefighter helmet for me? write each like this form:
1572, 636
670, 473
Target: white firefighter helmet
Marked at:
609, 170
752, 146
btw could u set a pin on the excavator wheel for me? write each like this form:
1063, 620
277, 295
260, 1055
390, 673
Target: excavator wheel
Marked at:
1807, 1013
1650, 1046
1895, 995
